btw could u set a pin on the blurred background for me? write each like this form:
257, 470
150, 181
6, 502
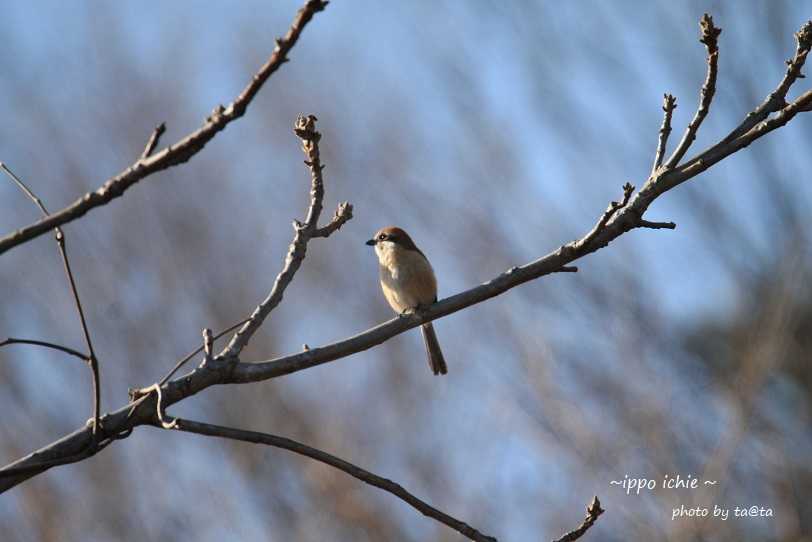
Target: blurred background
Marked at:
493, 132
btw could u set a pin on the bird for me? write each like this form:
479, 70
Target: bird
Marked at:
408, 283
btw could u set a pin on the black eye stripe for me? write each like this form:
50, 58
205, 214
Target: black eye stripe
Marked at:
382, 236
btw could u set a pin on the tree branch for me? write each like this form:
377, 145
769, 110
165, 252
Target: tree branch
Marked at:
65, 349
365, 476
592, 512
179, 152
152, 142
776, 100
710, 34
93, 362
134, 393
656, 225
610, 211
669, 104
305, 129
342, 215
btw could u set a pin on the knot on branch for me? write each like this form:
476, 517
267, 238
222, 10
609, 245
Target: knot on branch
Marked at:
804, 36
709, 33
216, 113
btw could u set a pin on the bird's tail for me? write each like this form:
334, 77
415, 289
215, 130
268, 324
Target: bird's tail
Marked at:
436, 359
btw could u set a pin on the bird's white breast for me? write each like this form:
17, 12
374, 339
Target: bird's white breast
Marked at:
407, 279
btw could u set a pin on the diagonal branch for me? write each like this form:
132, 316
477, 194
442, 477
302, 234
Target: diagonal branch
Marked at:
365, 476
592, 512
93, 362
176, 153
777, 99
719, 152
152, 142
710, 35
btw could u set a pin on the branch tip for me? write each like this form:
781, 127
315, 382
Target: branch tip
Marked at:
152, 142
709, 33
593, 511
804, 36
669, 102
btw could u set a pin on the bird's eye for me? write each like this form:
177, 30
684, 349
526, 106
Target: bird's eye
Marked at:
381, 237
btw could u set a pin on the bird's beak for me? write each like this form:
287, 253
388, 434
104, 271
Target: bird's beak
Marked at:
371, 242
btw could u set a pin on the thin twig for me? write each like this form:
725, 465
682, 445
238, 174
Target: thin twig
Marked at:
305, 129
696, 165
63, 252
178, 152
709, 36
65, 349
669, 104
152, 142
94, 362
610, 211
190, 355
342, 215
592, 512
370, 478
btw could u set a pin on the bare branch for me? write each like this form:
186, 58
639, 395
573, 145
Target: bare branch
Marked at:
152, 142
777, 98
669, 104
63, 252
177, 153
592, 512
305, 129
65, 349
94, 362
365, 476
715, 154
710, 34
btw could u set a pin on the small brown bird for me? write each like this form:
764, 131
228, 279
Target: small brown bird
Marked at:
408, 283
